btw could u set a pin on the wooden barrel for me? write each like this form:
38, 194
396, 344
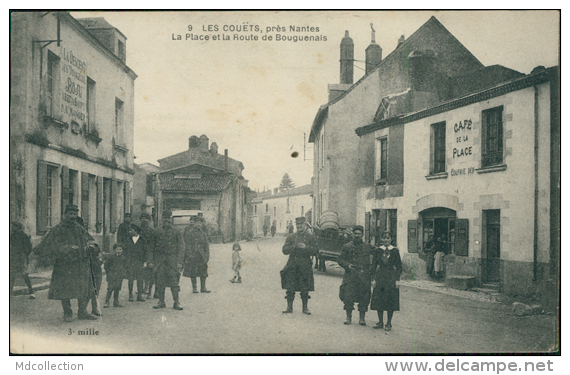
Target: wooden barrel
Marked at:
329, 220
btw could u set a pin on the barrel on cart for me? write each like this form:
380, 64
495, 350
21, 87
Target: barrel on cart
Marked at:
331, 237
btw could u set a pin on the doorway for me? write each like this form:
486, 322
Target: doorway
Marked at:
492, 227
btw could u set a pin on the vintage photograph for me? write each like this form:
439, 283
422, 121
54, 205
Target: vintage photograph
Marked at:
284, 182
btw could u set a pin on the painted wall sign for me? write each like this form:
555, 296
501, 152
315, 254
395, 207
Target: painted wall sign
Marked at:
462, 131
74, 83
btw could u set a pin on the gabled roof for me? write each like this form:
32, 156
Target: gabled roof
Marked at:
537, 77
431, 22
205, 184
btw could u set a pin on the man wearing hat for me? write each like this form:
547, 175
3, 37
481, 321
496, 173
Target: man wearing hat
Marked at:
66, 245
297, 275
136, 256
168, 260
124, 229
148, 233
198, 254
355, 257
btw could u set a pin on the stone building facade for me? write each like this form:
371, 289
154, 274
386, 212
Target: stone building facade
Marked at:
280, 207
71, 123
202, 179
482, 171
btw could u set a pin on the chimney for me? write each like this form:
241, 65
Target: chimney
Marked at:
346, 59
401, 41
204, 142
373, 53
226, 160
193, 142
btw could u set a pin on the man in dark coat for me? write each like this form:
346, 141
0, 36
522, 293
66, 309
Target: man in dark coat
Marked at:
20, 249
355, 258
297, 275
136, 257
123, 231
66, 244
148, 233
168, 260
198, 255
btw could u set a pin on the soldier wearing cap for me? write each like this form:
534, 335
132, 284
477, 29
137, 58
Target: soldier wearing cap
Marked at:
297, 275
168, 260
355, 257
66, 245
198, 254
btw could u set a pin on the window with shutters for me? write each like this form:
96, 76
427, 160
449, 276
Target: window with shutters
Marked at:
381, 164
90, 107
52, 84
492, 137
119, 121
45, 198
437, 148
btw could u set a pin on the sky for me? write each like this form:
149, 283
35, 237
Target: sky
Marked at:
258, 98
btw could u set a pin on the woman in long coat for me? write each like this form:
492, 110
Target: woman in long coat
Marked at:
387, 268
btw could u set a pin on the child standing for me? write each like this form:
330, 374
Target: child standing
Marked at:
116, 269
236, 263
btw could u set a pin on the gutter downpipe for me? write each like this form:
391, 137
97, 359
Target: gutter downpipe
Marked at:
535, 229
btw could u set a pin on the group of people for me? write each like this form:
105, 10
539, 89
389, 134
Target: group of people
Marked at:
435, 249
371, 277
141, 254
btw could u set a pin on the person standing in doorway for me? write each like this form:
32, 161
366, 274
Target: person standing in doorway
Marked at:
20, 250
386, 271
429, 250
198, 255
297, 275
168, 260
355, 258
71, 277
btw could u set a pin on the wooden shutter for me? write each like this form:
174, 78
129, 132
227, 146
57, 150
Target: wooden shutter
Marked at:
127, 202
462, 237
367, 227
99, 210
85, 198
113, 205
64, 188
412, 236
41, 199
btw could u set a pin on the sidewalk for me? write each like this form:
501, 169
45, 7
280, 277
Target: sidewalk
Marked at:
40, 281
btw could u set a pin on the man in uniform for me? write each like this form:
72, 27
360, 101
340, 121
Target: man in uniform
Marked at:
297, 275
66, 244
198, 254
355, 258
168, 260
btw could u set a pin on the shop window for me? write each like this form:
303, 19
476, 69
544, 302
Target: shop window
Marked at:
45, 196
437, 148
381, 164
492, 137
